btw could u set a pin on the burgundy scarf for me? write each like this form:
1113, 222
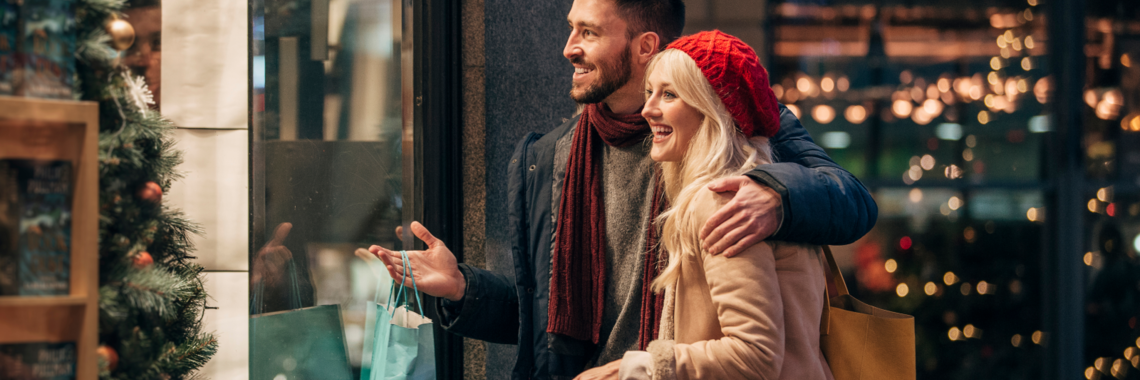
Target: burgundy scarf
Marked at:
652, 303
578, 276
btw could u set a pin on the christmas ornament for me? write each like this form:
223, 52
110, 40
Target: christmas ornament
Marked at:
142, 260
151, 192
139, 95
122, 33
109, 357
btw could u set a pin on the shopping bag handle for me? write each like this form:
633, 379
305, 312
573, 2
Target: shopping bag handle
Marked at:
835, 279
404, 288
259, 290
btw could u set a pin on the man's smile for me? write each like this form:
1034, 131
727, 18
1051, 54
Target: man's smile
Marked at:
581, 72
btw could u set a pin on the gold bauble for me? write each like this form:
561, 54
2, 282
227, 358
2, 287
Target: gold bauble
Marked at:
122, 33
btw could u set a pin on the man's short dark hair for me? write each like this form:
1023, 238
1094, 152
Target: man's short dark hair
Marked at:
664, 17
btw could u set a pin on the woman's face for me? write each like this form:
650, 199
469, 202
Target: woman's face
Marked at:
674, 122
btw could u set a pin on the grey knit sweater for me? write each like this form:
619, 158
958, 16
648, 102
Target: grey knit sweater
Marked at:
627, 184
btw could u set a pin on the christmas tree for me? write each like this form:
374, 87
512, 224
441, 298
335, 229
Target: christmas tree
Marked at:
151, 296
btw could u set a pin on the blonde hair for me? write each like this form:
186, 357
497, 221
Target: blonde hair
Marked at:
719, 149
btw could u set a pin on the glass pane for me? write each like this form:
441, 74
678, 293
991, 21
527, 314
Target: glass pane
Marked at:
938, 108
1112, 157
329, 152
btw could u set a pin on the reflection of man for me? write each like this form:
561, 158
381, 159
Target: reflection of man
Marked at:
145, 56
581, 198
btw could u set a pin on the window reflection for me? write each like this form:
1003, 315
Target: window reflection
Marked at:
327, 152
144, 57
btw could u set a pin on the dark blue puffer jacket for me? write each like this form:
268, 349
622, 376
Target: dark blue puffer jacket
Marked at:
823, 205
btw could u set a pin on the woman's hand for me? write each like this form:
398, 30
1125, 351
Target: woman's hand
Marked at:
434, 270
608, 371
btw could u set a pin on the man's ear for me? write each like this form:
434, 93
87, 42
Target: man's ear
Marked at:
646, 47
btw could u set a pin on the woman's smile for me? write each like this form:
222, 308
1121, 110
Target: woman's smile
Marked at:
661, 133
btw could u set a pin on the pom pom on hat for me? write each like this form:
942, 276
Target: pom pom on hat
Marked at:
734, 71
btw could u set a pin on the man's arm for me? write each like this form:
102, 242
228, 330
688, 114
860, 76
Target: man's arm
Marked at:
802, 197
489, 310
822, 203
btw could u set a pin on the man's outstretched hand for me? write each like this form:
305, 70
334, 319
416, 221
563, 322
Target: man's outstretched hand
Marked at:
751, 216
434, 270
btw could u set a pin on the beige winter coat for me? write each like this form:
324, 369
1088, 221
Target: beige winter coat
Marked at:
752, 316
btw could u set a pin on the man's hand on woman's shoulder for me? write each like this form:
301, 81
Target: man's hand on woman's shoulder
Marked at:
753, 214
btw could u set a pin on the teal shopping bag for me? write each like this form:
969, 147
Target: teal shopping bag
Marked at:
403, 342
302, 343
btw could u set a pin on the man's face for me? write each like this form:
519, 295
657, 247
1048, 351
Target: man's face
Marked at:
599, 50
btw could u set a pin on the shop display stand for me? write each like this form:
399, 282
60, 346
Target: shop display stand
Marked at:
59, 130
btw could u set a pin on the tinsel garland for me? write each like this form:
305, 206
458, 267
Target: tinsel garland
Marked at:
150, 311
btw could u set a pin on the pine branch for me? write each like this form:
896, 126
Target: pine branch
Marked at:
152, 290
104, 6
178, 361
93, 49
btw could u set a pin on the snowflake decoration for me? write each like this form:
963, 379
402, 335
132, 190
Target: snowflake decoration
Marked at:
138, 93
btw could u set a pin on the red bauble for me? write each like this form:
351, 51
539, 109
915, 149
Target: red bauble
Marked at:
109, 356
151, 192
142, 260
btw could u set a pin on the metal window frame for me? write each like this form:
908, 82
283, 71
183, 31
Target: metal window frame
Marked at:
437, 132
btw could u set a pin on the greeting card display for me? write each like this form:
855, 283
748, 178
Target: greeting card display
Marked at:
37, 361
37, 48
35, 258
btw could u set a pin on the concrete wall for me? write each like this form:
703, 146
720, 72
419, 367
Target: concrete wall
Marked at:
204, 93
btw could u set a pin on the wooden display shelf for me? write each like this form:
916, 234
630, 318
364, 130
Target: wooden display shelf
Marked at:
16, 301
59, 130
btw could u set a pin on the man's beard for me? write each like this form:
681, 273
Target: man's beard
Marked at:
614, 75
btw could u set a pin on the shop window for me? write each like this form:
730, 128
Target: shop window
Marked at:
329, 177
946, 111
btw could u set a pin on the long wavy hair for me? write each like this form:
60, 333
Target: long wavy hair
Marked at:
719, 149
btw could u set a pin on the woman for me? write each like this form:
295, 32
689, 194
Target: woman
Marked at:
752, 316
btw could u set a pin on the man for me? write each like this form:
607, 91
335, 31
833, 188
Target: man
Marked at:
581, 202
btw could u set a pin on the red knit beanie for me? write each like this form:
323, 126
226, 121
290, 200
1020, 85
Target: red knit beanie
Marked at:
734, 71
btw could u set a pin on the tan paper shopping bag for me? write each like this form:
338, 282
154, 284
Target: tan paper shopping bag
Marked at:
863, 342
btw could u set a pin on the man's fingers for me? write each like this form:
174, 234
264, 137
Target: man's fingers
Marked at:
742, 244
719, 217
400, 232
737, 232
728, 184
422, 232
385, 259
392, 272
719, 224
280, 233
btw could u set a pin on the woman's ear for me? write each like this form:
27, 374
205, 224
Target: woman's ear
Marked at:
646, 47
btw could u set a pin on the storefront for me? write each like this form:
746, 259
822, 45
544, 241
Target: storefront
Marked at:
999, 138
